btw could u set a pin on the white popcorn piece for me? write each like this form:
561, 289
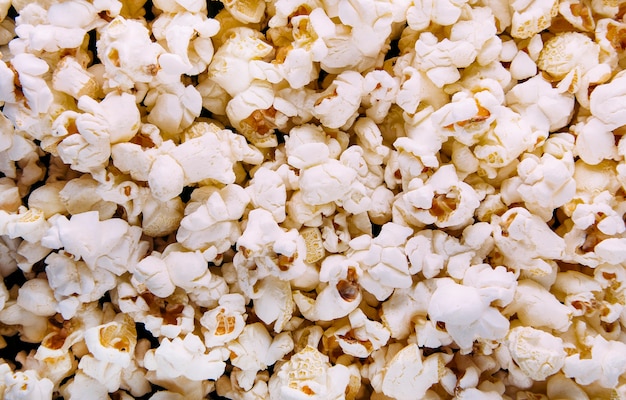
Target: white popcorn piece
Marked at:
110, 244
537, 307
29, 224
81, 195
72, 78
246, 12
544, 184
161, 218
187, 37
579, 14
36, 296
32, 328
337, 106
604, 98
254, 350
127, 53
30, 70
308, 145
522, 66
27, 385
421, 13
210, 221
512, 236
88, 147
303, 213
381, 88
211, 153
309, 373
267, 190
325, 183
441, 59
117, 114
538, 353
466, 314
230, 388
46, 198
341, 296
531, 17
273, 302
245, 112
176, 6
230, 67
559, 386
405, 306
545, 107
275, 251
409, 374
361, 336
560, 60
480, 28
382, 260
560, 57
186, 358
585, 240
605, 365
74, 283
83, 385
173, 107
112, 345
226, 322
576, 291
170, 317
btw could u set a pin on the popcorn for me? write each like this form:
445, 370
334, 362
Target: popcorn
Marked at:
37, 297
254, 350
88, 149
162, 275
382, 260
274, 252
72, 78
602, 102
27, 385
35, 89
224, 323
338, 104
128, 54
538, 353
604, 365
186, 358
187, 37
342, 292
534, 303
420, 14
465, 313
110, 244
308, 372
320, 199
531, 17
230, 66
210, 224
361, 336
409, 374
173, 107
442, 200
511, 231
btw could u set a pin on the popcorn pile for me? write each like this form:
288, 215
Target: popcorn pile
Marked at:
313, 199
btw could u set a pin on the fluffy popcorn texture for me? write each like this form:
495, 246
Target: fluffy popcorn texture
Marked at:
185, 357
292, 199
309, 373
